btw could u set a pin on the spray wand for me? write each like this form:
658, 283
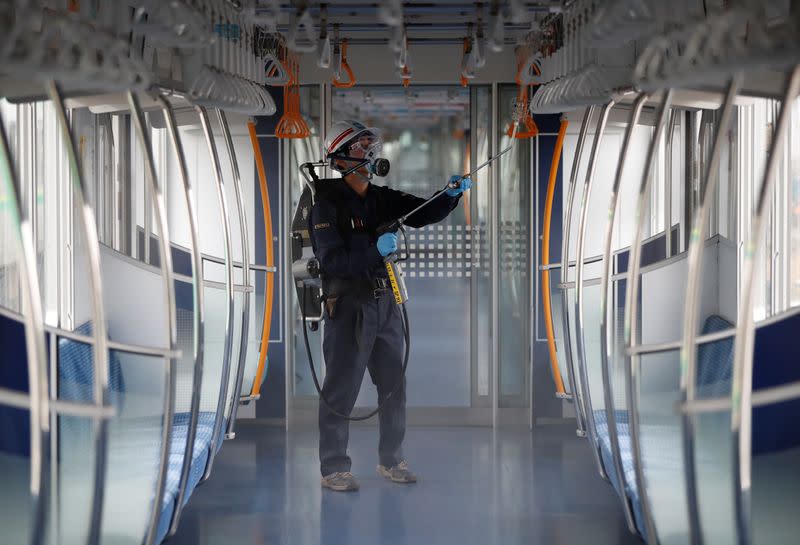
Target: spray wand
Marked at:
392, 260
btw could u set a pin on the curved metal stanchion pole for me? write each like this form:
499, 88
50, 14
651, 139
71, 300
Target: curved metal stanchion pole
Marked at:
691, 309
580, 341
270, 262
198, 316
228, 249
240, 206
37, 365
565, 231
165, 253
606, 333
742, 389
546, 290
100, 355
632, 313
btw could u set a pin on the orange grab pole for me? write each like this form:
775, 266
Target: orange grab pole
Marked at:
268, 295
548, 213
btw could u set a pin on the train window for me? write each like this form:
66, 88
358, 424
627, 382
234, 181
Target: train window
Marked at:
39, 161
9, 274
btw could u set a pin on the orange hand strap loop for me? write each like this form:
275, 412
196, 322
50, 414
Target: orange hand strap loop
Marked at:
292, 124
406, 76
351, 79
531, 129
464, 80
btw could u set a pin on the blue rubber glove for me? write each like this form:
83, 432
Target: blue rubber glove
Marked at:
387, 244
466, 183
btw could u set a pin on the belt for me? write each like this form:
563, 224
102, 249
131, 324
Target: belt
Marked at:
377, 287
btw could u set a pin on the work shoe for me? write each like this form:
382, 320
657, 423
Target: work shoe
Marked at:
397, 474
341, 481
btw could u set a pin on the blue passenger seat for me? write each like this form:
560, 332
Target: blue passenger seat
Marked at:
714, 368
75, 373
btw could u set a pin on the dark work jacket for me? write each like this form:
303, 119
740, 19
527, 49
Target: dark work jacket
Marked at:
343, 226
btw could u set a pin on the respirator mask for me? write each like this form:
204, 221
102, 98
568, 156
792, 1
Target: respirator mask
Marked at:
361, 151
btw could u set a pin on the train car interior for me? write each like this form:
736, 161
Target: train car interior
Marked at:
399, 272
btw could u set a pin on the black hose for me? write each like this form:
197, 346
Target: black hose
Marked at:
401, 379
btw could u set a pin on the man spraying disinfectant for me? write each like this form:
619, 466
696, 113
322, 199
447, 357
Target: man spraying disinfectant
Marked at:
364, 328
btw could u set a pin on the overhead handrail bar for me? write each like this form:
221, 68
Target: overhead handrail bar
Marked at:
165, 255
573, 179
631, 314
691, 308
580, 342
270, 260
38, 395
245, 242
546, 293
744, 342
606, 317
222, 203
100, 382
198, 313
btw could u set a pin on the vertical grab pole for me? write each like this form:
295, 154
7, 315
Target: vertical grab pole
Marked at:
494, 214
691, 309
198, 316
673, 119
100, 380
165, 254
237, 185
631, 315
546, 290
270, 273
580, 342
606, 332
742, 389
565, 231
228, 246
33, 318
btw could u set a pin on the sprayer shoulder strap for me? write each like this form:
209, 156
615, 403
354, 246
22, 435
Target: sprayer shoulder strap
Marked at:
327, 193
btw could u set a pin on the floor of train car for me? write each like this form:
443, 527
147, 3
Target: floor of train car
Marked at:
476, 487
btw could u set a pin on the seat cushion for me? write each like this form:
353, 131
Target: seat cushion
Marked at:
200, 456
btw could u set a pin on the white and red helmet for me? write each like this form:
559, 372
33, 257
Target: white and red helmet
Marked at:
346, 132
356, 143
